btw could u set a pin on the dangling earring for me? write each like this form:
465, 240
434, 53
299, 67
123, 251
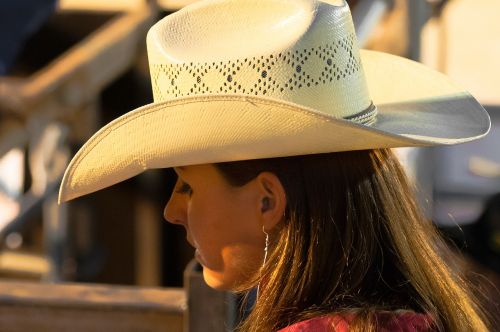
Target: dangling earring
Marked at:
266, 248
265, 206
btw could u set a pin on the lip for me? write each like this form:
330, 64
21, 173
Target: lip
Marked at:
197, 254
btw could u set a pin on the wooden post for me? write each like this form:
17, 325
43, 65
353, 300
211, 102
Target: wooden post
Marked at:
209, 310
148, 244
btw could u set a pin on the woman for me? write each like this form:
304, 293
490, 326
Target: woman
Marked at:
279, 129
363, 257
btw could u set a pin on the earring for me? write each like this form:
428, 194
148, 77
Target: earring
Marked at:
265, 204
266, 247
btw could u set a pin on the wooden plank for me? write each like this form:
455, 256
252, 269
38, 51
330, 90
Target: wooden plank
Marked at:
87, 295
80, 73
49, 319
75, 308
99, 5
23, 264
173, 5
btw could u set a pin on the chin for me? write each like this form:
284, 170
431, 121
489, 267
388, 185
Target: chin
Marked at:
213, 280
216, 281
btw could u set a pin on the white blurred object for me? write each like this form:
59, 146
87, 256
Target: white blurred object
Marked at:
484, 167
48, 155
408, 159
14, 240
464, 43
11, 184
12, 173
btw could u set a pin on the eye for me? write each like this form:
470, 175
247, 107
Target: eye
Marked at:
184, 188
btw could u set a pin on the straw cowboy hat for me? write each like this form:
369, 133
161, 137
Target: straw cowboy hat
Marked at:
247, 79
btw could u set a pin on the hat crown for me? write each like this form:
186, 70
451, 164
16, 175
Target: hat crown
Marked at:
300, 51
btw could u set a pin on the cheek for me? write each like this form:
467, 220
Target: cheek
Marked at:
241, 262
229, 240
223, 221
218, 230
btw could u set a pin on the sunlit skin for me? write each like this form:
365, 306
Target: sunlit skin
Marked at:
224, 223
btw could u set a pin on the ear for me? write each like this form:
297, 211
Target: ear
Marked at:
272, 198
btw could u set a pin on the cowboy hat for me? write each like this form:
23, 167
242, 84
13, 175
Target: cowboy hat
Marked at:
248, 79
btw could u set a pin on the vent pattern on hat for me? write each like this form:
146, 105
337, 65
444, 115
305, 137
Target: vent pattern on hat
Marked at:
274, 75
191, 79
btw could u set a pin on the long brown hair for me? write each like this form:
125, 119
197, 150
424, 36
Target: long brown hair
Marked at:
353, 242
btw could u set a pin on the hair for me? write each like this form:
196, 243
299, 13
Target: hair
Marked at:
352, 243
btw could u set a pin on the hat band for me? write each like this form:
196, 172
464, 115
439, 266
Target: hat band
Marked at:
366, 117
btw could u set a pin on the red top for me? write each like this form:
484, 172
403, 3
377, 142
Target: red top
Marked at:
403, 322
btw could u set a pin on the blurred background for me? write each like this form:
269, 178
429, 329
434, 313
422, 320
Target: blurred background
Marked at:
68, 67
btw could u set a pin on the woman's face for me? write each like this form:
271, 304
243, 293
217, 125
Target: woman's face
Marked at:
222, 222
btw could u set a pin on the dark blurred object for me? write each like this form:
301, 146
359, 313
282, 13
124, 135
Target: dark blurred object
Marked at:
18, 21
486, 286
481, 240
484, 236
61, 31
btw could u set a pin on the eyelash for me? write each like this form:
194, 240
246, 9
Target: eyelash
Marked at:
184, 188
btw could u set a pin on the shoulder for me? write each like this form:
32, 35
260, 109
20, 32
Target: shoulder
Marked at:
405, 321
385, 321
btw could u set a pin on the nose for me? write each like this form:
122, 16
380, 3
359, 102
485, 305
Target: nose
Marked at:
175, 210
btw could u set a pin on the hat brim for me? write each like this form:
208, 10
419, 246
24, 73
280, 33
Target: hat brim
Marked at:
416, 107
